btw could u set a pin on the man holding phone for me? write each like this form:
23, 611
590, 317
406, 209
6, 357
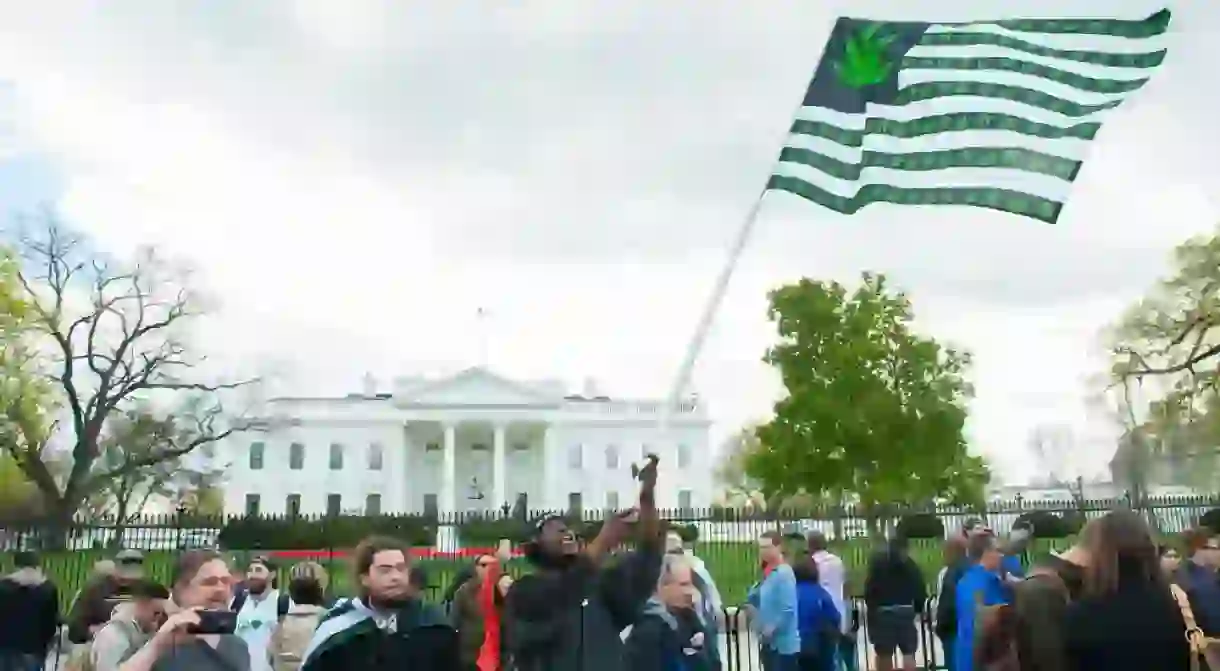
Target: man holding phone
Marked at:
199, 636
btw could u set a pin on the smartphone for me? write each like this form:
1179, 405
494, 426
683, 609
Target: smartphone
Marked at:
215, 622
506, 547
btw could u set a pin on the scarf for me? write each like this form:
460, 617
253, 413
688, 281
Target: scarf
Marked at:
489, 653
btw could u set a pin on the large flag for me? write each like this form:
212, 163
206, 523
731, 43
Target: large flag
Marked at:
990, 114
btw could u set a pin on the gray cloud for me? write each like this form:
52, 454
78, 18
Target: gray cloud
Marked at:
629, 130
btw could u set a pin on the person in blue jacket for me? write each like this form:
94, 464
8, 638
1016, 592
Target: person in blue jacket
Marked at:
773, 602
980, 585
817, 618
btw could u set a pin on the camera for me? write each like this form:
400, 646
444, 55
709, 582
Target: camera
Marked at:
215, 622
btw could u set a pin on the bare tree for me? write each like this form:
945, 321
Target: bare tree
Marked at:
114, 335
133, 435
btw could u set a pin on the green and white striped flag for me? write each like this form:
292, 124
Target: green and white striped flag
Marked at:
990, 114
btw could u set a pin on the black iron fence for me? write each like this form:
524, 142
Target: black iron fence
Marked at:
724, 538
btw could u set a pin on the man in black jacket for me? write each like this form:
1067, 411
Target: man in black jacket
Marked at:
893, 595
29, 614
669, 634
568, 614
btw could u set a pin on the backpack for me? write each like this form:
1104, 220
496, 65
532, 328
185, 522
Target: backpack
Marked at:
81, 658
282, 604
995, 643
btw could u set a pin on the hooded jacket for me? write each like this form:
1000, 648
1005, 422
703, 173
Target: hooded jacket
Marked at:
571, 618
352, 636
662, 640
94, 606
29, 612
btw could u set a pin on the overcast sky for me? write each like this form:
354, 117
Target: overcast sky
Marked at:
354, 179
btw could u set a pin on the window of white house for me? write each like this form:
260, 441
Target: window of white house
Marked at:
521, 447
611, 500
296, 456
644, 450
292, 505
478, 447
375, 457
336, 457
612, 457
257, 453
575, 502
684, 497
334, 504
683, 455
430, 505
576, 457
372, 504
432, 447
252, 505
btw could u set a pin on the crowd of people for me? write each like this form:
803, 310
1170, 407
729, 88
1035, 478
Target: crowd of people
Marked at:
1113, 601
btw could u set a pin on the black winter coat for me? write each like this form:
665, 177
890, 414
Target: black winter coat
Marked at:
571, 619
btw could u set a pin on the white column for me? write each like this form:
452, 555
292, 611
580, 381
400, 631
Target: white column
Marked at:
447, 504
550, 468
498, 495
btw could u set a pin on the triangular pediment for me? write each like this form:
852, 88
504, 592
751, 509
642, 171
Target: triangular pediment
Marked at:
476, 387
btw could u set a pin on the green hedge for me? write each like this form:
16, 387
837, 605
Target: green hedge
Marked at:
487, 532
343, 531
1046, 524
921, 525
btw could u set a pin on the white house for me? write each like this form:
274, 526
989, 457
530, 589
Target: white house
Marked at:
470, 442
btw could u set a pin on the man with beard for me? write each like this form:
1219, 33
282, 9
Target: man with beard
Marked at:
569, 613
388, 626
258, 609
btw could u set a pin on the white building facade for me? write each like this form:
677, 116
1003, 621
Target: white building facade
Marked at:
471, 442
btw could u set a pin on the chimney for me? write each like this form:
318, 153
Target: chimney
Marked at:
590, 389
370, 385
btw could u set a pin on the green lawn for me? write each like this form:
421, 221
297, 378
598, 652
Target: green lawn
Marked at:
733, 565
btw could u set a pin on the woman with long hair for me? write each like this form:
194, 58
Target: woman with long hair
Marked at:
1126, 618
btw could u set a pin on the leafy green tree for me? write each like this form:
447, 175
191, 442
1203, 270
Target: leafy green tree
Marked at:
25, 402
1165, 368
873, 409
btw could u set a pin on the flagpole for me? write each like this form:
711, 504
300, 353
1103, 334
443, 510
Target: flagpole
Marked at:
704, 325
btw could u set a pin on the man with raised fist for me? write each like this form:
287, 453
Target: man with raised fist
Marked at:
569, 613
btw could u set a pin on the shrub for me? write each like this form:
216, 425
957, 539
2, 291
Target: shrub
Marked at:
320, 533
1046, 524
688, 532
487, 532
920, 525
1211, 520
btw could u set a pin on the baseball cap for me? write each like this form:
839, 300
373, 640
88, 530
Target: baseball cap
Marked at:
129, 557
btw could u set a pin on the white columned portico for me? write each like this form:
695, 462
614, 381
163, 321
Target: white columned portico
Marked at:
448, 503
498, 496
